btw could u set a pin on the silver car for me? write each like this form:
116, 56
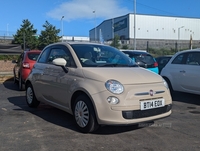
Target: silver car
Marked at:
98, 85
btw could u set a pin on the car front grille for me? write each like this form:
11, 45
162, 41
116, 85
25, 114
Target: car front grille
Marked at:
146, 113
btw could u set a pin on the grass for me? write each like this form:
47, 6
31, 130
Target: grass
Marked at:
9, 57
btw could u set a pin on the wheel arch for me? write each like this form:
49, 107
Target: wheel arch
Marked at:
78, 93
169, 83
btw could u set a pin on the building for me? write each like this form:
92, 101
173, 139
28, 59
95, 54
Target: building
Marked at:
74, 38
150, 29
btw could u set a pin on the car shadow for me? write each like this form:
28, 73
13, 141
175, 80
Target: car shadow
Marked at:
9, 84
186, 97
63, 119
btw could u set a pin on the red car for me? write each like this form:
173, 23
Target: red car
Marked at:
23, 66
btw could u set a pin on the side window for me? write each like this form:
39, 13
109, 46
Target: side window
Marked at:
193, 58
56, 53
44, 55
178, 59
61, 52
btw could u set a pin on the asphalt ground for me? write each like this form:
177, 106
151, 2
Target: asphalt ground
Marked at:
48, 129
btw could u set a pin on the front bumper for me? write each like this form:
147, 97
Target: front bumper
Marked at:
128, 110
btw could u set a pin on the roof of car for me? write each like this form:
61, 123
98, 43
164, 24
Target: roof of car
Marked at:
135, 51
77, 42
32, 50
198, 49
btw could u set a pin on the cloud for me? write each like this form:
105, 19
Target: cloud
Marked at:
85, 9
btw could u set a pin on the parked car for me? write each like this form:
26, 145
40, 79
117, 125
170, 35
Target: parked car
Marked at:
182, 71
162, 61
98, 85
23, 66
143, 59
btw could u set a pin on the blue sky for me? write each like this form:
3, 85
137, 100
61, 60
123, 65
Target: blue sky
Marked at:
79, 16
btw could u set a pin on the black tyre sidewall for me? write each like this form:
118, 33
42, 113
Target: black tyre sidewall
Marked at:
21, 84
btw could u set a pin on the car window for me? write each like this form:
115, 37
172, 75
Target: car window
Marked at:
178, 59
101, 56
61, 52
33, 56
193, 58
44, 55
141, 57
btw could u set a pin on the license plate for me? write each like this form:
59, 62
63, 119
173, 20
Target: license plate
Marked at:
151, 104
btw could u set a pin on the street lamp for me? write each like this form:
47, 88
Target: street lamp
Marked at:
179, 36
7, 29
94, 25
62, 26
134, 24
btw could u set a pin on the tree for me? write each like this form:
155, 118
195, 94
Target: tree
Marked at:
115, 43
25, 36
48, 36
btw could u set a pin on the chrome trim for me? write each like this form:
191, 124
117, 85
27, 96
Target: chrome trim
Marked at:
147, 93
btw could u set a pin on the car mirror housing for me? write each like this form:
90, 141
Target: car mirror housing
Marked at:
59, 62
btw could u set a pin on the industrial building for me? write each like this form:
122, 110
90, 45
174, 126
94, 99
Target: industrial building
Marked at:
157, 31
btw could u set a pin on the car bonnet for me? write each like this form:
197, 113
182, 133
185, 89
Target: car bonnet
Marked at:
123, 75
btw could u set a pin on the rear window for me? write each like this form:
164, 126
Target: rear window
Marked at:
33, 56
148, 59
143, 57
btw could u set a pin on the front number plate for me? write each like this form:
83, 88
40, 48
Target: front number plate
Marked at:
151, 104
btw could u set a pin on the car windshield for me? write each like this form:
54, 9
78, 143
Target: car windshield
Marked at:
101, 56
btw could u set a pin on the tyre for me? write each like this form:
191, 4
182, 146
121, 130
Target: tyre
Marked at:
84, 114
30, 97
14, 78
21, 84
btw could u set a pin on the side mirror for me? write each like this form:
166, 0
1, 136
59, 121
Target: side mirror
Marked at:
14, 61
60, 62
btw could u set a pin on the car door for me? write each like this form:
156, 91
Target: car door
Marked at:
189, 73
18, 66
58, 82
173, 70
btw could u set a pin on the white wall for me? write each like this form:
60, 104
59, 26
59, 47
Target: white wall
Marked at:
163, 27
151, 27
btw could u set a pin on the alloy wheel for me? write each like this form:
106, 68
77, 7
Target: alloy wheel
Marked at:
81, 114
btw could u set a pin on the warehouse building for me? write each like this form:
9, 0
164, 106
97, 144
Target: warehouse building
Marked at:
150, 30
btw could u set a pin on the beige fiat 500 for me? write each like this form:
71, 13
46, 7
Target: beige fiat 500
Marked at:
98, 85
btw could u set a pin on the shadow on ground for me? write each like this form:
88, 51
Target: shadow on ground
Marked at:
186, 98
64, 119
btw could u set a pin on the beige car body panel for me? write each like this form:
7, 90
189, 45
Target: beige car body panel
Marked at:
55, 87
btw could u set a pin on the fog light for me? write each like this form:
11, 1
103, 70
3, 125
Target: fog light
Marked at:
113, 100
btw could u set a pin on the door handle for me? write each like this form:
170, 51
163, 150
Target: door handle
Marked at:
182, 71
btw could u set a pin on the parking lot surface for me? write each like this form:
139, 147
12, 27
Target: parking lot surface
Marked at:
49, 129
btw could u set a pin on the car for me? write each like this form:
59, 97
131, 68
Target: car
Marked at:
162, 61
98, 85
182, 71
143, 59
23, 66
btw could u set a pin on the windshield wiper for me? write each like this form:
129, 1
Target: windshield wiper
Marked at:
117, 65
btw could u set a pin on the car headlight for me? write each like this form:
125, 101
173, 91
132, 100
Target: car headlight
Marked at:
165, 83
114, 86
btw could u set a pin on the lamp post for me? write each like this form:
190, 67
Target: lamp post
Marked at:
113, 29
134, 24
94, 25
7, 29
62, 26
179, 36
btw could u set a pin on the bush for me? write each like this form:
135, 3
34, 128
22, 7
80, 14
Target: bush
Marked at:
9, 57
